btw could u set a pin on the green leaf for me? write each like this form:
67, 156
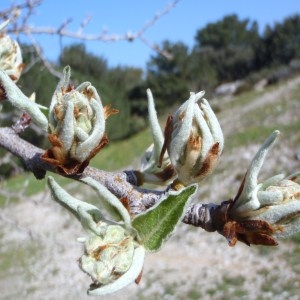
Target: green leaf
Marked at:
156, 225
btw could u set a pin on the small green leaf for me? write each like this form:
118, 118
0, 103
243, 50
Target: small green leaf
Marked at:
156, 225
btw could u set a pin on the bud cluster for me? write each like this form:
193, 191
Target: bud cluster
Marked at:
113, 257
107, 255
76, 125
279, 204
193, 139
262, 211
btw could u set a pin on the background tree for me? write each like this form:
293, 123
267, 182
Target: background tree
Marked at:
234, 43
282, 41
83, 62
119, 82
169, 78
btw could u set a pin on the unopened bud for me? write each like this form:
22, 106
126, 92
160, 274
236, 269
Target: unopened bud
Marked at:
276, 201
76, 124
109, 256
194, 140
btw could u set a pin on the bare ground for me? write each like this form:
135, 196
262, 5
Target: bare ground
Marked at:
39, 250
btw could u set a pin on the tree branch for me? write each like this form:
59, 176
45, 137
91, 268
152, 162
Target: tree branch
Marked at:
121, 184
79, 34
20, 26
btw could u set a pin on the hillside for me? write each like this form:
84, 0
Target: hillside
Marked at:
38, 239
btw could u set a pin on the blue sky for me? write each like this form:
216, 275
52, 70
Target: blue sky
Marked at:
119, 17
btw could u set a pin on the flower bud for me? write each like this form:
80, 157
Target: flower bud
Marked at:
109, 256
275, 202
76, 125
112, 257
10, 57
193, 139
280, 205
